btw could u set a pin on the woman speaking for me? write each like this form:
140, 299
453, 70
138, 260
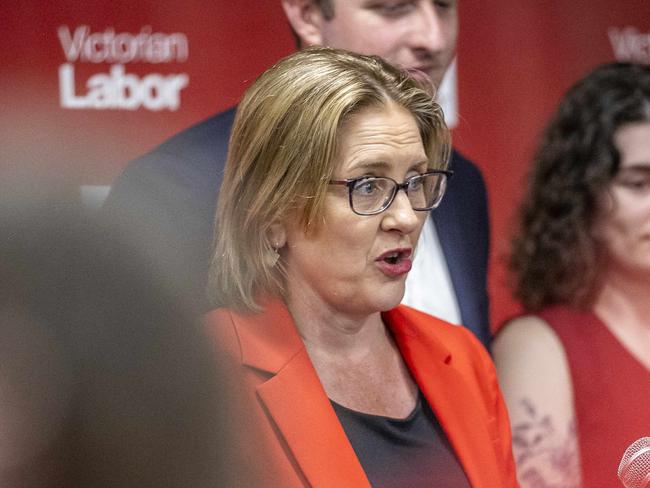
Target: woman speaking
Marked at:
335, 160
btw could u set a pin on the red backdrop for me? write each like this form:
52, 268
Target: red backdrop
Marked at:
514, 62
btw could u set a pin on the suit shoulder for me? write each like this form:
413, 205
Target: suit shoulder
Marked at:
215, 127
189, 161
465, 169
198, 142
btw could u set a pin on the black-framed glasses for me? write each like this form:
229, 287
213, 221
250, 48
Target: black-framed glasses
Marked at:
370, 195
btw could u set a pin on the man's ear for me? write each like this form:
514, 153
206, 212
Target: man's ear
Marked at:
306, 19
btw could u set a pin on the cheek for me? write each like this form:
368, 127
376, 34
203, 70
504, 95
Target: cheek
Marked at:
367, 36
386, 41
631, 209
622, 221
450, 32
343, 244
351, 238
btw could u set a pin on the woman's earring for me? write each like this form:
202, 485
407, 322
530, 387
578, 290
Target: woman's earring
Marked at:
275, 255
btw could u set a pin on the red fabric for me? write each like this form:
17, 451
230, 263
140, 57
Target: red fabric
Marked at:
611, 393
289, 430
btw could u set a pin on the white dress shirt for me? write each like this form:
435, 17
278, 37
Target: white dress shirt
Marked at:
428, 285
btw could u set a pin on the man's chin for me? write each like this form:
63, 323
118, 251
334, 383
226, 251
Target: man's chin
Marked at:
426, 74
436, 75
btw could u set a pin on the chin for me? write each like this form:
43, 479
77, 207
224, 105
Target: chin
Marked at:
390, 298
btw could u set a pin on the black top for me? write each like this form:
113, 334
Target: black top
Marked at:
395, 453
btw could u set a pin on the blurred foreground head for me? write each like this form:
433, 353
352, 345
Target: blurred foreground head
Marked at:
105, 381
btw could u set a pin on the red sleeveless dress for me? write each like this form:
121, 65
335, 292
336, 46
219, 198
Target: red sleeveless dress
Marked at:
611, 393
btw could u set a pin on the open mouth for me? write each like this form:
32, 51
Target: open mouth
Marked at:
395, 256
395, 262
392, 258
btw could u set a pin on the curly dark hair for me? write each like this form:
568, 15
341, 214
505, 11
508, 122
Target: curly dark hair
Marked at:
554, 257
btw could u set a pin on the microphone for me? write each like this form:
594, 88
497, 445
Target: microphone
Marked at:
634, 470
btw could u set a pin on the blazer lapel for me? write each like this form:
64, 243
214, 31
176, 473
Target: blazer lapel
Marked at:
296, 401
452, 400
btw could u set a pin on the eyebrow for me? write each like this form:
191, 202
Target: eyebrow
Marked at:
370, 165
641, 167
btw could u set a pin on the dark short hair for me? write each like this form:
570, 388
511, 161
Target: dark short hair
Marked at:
555, 255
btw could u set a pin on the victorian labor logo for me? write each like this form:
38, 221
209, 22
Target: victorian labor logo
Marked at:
116, 88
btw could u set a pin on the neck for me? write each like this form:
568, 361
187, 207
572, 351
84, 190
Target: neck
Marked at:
325, 330
623, 299
623, 306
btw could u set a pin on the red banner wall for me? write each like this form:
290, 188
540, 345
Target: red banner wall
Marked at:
65, 66
228, 45
514, 64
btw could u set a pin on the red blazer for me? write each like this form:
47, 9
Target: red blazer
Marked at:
288, 431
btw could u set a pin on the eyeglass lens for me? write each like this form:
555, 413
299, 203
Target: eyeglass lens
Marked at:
374, 194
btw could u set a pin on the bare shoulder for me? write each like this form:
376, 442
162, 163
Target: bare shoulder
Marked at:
535, 379
525, 330
531, 364
529, 339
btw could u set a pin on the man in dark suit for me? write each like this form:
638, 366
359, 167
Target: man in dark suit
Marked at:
170, 194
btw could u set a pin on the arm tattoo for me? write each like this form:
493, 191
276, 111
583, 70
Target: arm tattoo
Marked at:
546, 454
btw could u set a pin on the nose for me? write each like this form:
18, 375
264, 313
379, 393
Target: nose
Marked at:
427, 33
400, 215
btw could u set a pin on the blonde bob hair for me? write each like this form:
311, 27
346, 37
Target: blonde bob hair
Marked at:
282, 154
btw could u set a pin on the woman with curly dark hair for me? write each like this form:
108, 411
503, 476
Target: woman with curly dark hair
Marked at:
575, 371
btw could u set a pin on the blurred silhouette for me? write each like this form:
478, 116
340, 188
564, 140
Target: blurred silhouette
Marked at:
105, 379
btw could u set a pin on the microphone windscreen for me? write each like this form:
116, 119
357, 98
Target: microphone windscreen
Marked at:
634, 469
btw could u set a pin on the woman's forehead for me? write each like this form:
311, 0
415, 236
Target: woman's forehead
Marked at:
379, 136
633, 144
